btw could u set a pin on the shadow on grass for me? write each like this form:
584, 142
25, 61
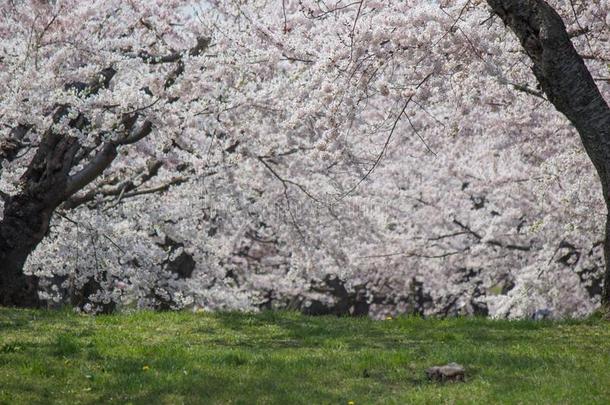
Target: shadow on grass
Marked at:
263, 358
30, 319
227, 378
231, 378
298, 330
243, 377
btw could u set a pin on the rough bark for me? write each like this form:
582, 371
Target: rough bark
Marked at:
45, 184
27, 215
568, 84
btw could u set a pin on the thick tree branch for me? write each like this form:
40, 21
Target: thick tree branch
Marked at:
93, 169
114, 186
202, 45
13, 143
103, 159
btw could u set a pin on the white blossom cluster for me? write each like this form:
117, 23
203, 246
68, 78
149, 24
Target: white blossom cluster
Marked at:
394, 143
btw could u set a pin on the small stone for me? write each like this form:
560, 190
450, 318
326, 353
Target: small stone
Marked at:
448, 372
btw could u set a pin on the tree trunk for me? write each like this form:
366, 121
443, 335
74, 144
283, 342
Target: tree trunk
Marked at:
27, 215
606, 289
48, 182
45, 184
21, 229
568, 84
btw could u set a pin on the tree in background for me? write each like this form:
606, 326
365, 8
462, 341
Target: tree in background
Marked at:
404, 146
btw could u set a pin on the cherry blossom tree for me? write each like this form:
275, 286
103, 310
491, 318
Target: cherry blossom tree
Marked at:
565, 79
403, 146
80, 83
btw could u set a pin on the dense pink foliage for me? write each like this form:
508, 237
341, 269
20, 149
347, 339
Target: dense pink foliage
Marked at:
397, 144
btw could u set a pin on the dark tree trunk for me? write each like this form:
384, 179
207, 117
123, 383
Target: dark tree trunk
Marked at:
606, 288
46, 184
20, 232
27, 215
568, 84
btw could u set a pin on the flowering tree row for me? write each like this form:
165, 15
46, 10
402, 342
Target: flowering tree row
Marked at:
229, 154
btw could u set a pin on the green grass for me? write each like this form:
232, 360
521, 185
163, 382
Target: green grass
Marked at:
287, 358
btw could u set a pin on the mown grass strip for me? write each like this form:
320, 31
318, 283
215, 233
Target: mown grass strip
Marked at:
283, 357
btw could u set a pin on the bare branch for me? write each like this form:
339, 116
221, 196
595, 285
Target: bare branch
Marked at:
286, 182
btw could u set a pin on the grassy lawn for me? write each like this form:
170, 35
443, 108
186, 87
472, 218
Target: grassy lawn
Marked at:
287, 358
